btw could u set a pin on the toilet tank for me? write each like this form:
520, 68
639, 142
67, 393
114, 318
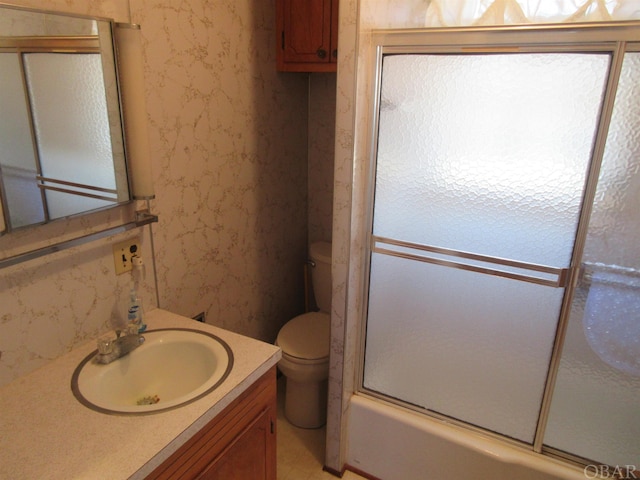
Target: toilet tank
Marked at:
320, 254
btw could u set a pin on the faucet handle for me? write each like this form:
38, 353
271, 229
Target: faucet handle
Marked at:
132, 329
105, 345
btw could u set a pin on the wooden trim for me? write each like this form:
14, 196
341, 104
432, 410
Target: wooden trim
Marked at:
335, 473
329, 67
357, 471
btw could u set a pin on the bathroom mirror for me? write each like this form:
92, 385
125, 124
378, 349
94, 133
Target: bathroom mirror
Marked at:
61, 138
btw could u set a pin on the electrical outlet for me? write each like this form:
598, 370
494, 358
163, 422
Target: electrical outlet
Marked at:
123, 252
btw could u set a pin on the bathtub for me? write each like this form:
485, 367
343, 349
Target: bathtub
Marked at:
389, 443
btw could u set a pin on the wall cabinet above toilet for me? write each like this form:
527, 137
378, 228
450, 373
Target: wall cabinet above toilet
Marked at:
307, 35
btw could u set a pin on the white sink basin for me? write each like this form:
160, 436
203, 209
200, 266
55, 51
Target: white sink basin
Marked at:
172, 366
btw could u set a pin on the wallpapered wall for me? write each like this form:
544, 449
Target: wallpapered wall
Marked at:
229, 144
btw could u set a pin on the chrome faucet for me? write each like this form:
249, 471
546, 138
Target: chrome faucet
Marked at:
110, 350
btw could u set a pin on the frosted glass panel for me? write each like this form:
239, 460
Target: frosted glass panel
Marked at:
487, 153
78, 149
601, 358
17, 159
484, 154
470, 346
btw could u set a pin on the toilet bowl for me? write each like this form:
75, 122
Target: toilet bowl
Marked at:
304, 341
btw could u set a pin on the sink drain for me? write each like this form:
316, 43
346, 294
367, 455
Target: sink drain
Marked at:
148, 400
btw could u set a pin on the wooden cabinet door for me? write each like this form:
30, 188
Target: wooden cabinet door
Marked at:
238, 444
249, 457
308, 32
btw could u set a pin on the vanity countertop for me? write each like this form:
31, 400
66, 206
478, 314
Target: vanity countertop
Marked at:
45, 433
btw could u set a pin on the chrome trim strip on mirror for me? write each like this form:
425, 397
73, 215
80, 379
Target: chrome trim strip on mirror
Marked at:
53, 12
142, 218
55, 44
75, 184
76, 192
44, 186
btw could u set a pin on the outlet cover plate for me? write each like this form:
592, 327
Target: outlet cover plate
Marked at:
122, 253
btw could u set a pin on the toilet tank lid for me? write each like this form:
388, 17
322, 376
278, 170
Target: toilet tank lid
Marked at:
306, 336
320, 251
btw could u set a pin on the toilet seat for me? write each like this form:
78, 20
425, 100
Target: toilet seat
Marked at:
303, 362
306, 337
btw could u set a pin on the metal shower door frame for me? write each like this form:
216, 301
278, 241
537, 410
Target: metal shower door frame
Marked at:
616, 38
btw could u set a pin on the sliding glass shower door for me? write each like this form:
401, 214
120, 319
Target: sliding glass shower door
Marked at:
481, 164
484, 166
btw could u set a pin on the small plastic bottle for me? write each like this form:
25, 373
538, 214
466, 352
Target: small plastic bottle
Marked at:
136, 312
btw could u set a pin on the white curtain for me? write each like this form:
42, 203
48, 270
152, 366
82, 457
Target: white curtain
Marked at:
448, 13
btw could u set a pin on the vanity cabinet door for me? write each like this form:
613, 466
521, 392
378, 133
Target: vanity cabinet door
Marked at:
307, 35
248, 457
238, 444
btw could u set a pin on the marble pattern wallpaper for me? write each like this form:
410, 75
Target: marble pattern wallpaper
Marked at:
229, 140
229, 137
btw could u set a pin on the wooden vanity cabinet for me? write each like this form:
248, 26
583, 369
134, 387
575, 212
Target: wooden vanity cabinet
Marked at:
307, 35
238, 444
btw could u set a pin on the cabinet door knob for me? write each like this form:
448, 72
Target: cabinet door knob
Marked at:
334, 53
321, 53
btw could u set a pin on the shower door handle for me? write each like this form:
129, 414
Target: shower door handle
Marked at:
551, 276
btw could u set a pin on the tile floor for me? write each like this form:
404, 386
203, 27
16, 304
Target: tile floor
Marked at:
301, 451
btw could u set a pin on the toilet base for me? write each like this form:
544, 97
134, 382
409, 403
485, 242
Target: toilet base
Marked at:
305, 403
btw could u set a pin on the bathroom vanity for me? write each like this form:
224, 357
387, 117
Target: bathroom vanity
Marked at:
238, 443
229, 433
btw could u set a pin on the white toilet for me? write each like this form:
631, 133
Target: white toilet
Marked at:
304, 341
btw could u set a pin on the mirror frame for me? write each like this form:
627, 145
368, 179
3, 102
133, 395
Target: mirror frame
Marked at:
35, 241
104, 43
